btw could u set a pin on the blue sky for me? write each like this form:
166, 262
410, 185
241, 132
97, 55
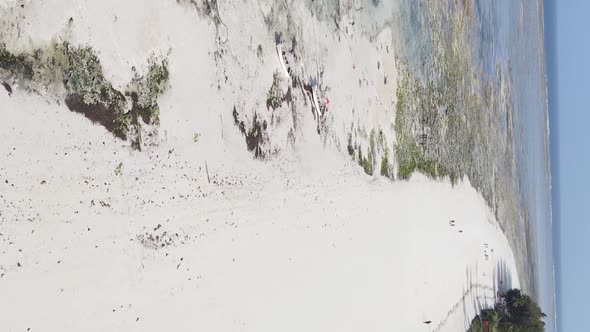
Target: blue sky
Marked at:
568, 58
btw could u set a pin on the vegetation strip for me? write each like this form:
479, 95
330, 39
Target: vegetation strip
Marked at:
75, 73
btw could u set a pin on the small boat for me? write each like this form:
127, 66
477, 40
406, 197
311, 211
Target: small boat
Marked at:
283, 60
316, 104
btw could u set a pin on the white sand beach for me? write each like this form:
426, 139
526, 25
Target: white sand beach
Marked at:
198, 235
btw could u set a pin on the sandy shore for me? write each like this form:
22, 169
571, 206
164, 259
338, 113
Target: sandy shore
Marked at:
189, 235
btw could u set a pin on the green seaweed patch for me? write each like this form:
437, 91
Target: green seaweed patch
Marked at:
16, 64
410, 159
119, 169
149, 88
84, 76
89, 93
376, 157
275, 95
416, 127
76, 72
366, 161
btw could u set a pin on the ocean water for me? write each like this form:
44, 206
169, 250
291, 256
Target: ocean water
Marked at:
507, 54
513, 31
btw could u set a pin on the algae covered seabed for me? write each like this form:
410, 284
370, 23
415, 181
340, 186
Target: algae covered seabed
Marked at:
472, 102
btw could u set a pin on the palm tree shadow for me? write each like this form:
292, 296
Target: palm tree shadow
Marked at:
502, 278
